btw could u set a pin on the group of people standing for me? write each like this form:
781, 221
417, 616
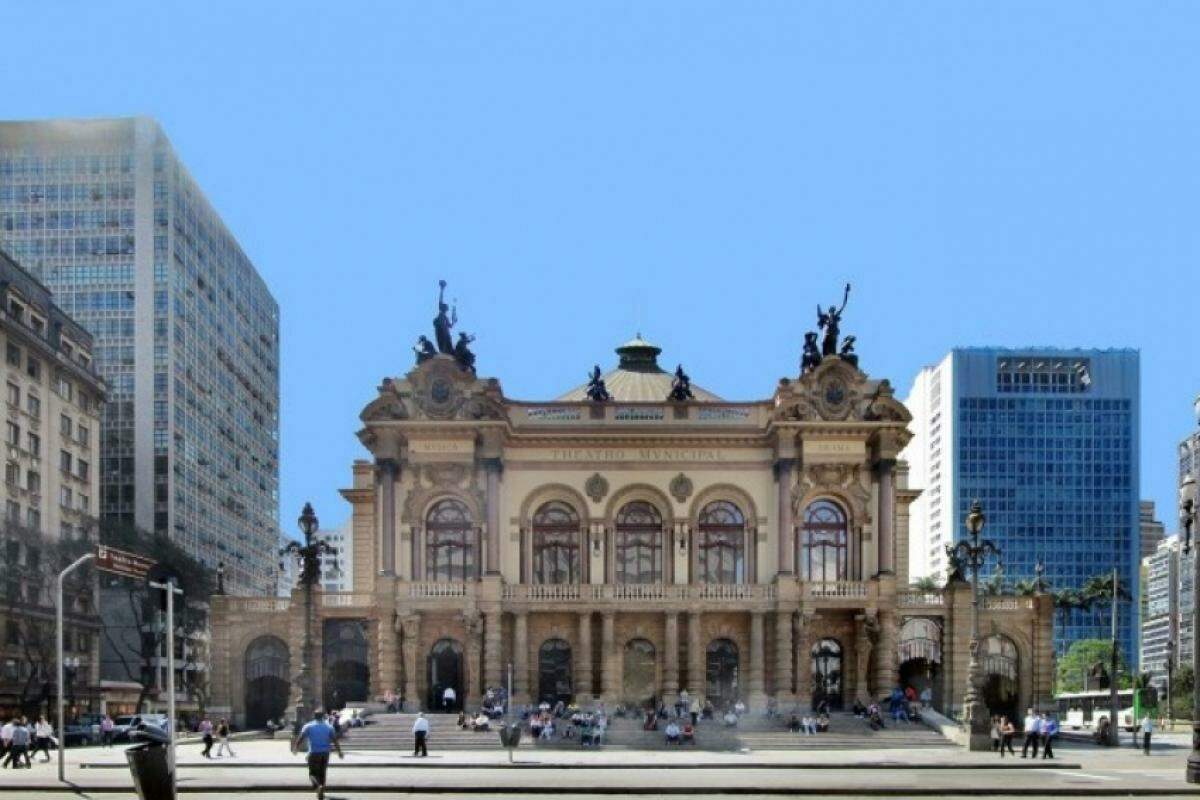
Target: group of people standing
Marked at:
1040, 732
223, 733
21, 739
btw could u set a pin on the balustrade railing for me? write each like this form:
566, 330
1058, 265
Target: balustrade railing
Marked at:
434, 589
836, 589
921, 599
1007, 603
258, 604
341, 600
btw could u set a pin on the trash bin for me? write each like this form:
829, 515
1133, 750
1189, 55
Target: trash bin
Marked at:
510, 735
148, 764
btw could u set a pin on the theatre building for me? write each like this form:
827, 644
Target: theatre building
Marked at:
634, 537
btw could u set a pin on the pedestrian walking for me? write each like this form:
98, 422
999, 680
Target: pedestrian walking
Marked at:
223, 734
1147, 729
1049, 731
18, 747
1033, 732
106, 731
206, 731
1007, 732
43, 733
996, 736
420, 731
6, 733
449, 698
321, 740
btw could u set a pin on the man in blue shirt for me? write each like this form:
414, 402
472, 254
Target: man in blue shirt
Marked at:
321, 739
1049, 731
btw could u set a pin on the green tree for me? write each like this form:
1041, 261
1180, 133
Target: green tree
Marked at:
136, 641
926, 584
1080, 660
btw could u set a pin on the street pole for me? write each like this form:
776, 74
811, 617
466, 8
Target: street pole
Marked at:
62, 731
974, 553
1114, 735
171, 590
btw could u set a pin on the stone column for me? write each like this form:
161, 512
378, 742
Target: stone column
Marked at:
493, 467
670, 687
473, 626
493, 669
583, 659
886, 528
756, 697
887, 668
783, 659
388, 642
412, 661
804, 676
783, 478
388, 473
862, 656
695, 654
608, 689
520, 652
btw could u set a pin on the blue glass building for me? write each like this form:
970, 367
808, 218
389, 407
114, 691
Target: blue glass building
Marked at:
1048, 440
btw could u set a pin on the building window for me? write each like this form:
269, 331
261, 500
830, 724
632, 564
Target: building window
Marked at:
721, 545
65, 496
824, 539
14, 395
84, 435
556, 544
14, 434
12, 512
33, 481
33, 405
450, 553
12, 473
65, 426
35, 443
82, 469
637, 543
64, 461
13, 354
33, 368
33, 518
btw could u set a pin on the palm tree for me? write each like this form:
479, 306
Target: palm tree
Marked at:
1025, 587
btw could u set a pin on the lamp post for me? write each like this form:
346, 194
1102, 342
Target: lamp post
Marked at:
974, 553
1187, 518
1170, 669
308, 558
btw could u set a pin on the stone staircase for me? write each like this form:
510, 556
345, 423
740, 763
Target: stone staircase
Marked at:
393, 732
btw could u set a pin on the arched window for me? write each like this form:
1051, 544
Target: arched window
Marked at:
450, 553
556, 544
824, 538
721, 544
638, 544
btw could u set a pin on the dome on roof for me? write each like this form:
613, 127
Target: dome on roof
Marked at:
638, 378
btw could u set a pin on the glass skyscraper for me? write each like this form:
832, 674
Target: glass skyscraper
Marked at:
186, 332
1048, 440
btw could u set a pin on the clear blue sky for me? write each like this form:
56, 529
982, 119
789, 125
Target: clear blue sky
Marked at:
986, 174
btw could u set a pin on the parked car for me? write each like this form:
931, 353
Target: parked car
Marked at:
83, 731
123, 725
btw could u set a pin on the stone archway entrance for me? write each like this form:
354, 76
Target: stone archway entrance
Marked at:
920, 657
827, 673
444, 668
344, 653
554, 671
721, 673
1000, 663
639, 678
268, 680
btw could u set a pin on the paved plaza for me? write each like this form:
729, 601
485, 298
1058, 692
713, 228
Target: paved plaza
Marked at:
266, 769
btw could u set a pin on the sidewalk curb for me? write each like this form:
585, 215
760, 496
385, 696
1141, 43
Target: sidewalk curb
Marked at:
534, 765
838, 791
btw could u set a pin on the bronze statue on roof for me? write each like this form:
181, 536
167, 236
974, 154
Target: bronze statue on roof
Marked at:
597, 392
829, 320
681, 387
443, 322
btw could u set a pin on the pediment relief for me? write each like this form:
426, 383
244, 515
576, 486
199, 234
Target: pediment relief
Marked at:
387, 406
837, 391
849, 481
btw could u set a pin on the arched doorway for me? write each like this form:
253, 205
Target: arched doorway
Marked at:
721, 673
1000, 663
268, 683
639, 678
443, 668
554, 671
920, 656
827, 673
347, 670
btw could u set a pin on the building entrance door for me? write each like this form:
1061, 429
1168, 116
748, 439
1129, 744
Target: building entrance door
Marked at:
721, 673
444, 669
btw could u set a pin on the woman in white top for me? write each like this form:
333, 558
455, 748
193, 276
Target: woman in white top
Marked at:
43, 733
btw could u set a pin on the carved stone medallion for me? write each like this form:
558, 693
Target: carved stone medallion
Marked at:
596, 487
438, 387
681, 487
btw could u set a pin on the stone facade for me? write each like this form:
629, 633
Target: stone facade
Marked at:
613, 551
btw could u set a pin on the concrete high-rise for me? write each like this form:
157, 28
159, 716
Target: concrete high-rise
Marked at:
186, 332
1048, 440
1152, 530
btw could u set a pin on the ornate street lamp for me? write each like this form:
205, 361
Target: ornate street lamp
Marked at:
308, 558
1187, 518
974, 553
